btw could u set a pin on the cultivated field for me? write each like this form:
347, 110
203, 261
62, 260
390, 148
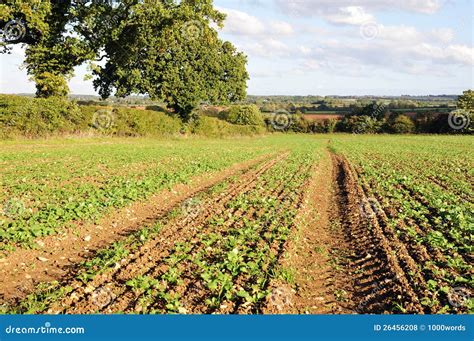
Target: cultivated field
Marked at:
278, 224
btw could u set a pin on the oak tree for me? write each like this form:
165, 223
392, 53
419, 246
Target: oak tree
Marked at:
167, 49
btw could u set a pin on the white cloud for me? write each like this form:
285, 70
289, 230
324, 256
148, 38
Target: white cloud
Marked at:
444, 35
265, 48
399, 48
351, 15
322, 7
304, 49
241, 23
281, 28
451, 54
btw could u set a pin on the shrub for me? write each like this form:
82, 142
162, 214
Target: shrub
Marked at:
33, 117
243, 115
213, 127
324, 126
121, 121
402, 125
360, 125
299, 124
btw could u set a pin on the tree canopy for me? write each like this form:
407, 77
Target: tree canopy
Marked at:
466, 100
243, 115
167, 49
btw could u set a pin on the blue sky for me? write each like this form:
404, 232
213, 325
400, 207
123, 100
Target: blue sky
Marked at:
334, 47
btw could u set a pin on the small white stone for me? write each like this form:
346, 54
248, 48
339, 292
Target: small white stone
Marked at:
87, 238
42, 259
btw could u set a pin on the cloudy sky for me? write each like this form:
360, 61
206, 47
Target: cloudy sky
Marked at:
334, 47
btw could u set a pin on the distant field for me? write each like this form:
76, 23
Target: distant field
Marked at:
284, 223
323, 116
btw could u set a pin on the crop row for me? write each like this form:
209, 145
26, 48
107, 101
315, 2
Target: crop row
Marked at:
433, 222
42, 196
223, 265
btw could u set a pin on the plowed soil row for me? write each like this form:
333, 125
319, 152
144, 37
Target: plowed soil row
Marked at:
313, 239
347, 259
385, 276
158, 264
107, 292
59, 256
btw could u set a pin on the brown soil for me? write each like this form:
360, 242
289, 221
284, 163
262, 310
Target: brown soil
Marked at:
316, 255
344, 257
380, 267
149, 260
22, 269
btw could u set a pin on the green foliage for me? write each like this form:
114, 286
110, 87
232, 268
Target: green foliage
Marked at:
375, 110
402, 125
82, 181
54, 46
33, 117
170, 51
167, 49
38, 117
32, 12
213, 127
49, 84
243, 115
466, 100
132, 122
299, 124
360, 125
325, 126
422, 180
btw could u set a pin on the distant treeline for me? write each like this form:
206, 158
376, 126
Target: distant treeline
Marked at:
39, 117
